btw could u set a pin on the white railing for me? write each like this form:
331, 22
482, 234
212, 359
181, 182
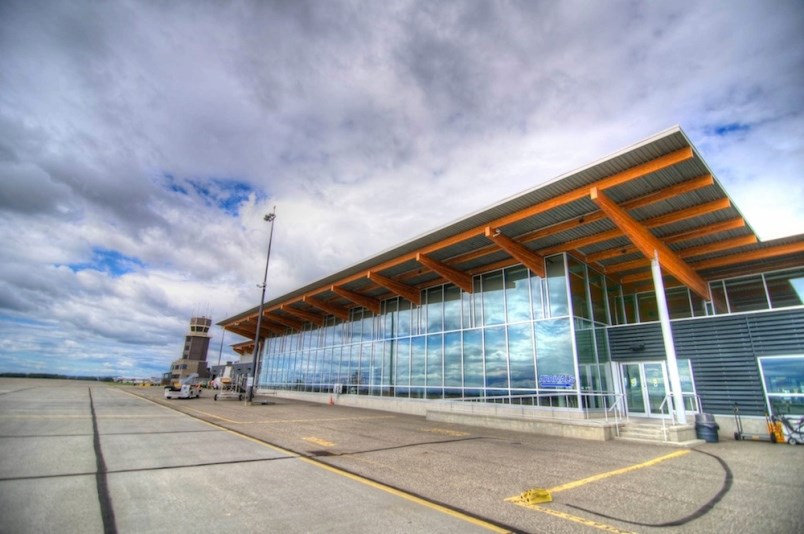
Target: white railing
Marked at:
593, 405
671, 412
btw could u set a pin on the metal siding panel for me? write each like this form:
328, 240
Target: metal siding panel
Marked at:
723, 351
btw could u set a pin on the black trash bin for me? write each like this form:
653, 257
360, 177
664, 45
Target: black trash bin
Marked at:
706, 427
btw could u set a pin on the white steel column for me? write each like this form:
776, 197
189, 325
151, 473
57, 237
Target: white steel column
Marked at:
669, 346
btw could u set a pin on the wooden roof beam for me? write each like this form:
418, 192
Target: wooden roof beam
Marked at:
292, 323
361, 300
650, 245
272, 327
403, 290
337, 311
311, 317
691, 252
689, 213
718, 246
709, 229
633, 173
518, 251
761, 254
459, 278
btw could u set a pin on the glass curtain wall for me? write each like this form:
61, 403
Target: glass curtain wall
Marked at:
513, 338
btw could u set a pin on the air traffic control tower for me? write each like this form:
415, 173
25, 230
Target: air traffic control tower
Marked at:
194, 356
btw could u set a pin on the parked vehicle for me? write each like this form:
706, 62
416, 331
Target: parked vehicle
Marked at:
188, 389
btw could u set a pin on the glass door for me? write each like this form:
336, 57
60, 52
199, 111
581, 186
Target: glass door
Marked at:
645, 387
655, 386
632, 384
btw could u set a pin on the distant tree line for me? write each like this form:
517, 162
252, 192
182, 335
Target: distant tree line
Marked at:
55, 376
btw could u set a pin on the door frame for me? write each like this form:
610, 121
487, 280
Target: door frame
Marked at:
648, 412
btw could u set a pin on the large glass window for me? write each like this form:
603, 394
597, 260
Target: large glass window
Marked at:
472, 359
520, 355
786, 288
555, 363
537, 295
577, 280
434, 366
417, 361
678, 302
493, 299
597, 292
718, 293
452, 308
453, 368
496, 361
435, 309
402, 366
517, 294
783, 379
403, 327
557, 286
746, 294
647, 307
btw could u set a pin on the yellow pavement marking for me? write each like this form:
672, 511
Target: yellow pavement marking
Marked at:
616, 472
517, 499
445, 431
356, 478
319, 441
576, 519
280, 421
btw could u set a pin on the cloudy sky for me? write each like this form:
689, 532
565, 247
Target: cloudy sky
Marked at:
141, 143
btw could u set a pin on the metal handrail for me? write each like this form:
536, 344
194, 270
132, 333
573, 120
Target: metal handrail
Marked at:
672, 413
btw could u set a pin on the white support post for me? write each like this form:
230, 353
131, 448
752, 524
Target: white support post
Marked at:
669, 346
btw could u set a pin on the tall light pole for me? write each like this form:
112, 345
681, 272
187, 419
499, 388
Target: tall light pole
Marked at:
255, 359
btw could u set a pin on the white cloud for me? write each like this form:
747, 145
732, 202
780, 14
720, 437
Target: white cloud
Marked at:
366, 124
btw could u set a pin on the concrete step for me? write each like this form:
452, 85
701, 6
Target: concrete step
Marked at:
682, 435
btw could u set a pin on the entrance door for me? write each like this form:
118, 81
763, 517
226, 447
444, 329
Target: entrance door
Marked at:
645, 387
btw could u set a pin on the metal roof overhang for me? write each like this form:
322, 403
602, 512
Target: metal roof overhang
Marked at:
658, 194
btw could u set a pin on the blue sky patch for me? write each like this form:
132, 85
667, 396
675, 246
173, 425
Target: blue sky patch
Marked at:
108, 261
723, 130
225, 194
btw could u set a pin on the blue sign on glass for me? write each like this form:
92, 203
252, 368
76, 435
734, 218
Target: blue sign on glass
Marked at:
556, 381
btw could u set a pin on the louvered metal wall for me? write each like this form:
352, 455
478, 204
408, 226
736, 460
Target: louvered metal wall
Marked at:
723, 351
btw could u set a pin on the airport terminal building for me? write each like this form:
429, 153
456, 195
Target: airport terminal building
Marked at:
632, 285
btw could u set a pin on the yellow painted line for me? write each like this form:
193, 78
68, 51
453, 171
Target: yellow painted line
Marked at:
407, 496
356, 478
601, 476
570, 485
575, 519
445, 432
319, 441
321, 419
285, 421
216, 416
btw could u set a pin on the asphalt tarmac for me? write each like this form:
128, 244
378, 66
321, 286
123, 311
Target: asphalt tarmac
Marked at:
79, 456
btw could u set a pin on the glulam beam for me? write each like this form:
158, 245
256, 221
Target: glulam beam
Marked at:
518, 251
754, 255
331, 309
287, 321
367, 302
718, 246
650, 245
311, 317
459, 278
709, 229
398, 288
